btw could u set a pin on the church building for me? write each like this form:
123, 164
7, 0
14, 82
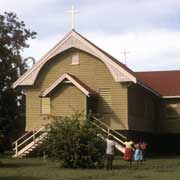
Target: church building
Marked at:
76, 75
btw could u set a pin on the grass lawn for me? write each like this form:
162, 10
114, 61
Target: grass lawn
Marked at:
156, 168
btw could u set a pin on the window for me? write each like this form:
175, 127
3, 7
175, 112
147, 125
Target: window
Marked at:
105, 100
75, 58
45, 106
171, 111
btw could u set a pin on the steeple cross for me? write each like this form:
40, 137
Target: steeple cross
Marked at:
72, 12
125, 52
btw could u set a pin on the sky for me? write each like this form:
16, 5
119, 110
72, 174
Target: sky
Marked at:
148, 29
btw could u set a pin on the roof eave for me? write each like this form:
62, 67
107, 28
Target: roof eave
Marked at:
170, 97
149, 88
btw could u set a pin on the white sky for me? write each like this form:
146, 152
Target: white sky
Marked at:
150, 29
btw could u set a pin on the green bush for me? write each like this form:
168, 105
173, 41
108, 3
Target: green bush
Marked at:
75, 142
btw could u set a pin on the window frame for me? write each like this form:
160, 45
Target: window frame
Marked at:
45, 110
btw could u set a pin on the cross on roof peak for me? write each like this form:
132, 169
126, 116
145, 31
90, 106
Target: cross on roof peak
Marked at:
125, 52
72, 11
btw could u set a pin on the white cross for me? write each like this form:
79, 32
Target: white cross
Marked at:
125, 52
72, 12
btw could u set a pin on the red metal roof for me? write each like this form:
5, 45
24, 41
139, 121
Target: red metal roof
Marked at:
166, 83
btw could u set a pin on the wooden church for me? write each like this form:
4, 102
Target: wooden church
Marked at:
76, 75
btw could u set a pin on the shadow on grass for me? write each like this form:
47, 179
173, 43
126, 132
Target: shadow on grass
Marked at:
140, 177
117, 166
19, 165
168, 156
21, 178
165, 171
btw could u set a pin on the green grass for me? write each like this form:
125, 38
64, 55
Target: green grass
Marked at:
156, 168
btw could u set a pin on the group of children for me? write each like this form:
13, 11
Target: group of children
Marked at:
135, 151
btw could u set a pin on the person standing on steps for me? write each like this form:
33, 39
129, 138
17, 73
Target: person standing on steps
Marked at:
110, 146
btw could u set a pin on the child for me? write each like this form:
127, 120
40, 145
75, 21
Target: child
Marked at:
143, 146
138, 157
128, 155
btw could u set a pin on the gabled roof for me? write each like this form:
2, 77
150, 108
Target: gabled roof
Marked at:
75, 81
166, 83
119, 71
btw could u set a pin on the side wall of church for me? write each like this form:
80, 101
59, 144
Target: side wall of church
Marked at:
142, 109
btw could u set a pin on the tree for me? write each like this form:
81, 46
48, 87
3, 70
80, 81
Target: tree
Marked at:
13, 39
74, 142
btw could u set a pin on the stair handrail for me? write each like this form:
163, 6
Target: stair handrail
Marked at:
109, 127
32, 136
106, 131
21, 137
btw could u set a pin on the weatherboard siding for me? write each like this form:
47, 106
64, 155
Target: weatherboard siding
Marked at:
67, 100
169, 125
92, 72
142, 109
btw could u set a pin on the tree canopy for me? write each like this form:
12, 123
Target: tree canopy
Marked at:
14, 38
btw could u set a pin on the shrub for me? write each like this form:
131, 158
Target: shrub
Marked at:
75, 142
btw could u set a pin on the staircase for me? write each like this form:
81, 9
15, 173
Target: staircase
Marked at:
33, 139
106, 130
28, 142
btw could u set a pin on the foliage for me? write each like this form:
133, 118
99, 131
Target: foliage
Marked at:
13, 39
75, 142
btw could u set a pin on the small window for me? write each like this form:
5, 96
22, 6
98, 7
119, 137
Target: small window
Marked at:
75, 58
45, 106
105, 100
171, 111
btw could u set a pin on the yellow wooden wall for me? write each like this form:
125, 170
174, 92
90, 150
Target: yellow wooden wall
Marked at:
67, 100
92, 72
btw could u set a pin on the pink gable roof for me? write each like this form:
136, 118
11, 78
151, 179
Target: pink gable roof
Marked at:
75, 81
119, 71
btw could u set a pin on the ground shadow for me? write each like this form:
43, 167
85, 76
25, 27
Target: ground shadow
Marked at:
118, 166
140, 177
21, 178
19, 165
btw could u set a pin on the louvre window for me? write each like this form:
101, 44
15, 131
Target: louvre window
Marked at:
75, 58
45, 106
105, 100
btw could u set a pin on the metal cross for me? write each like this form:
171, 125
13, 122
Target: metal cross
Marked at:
125, 52
72, 12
